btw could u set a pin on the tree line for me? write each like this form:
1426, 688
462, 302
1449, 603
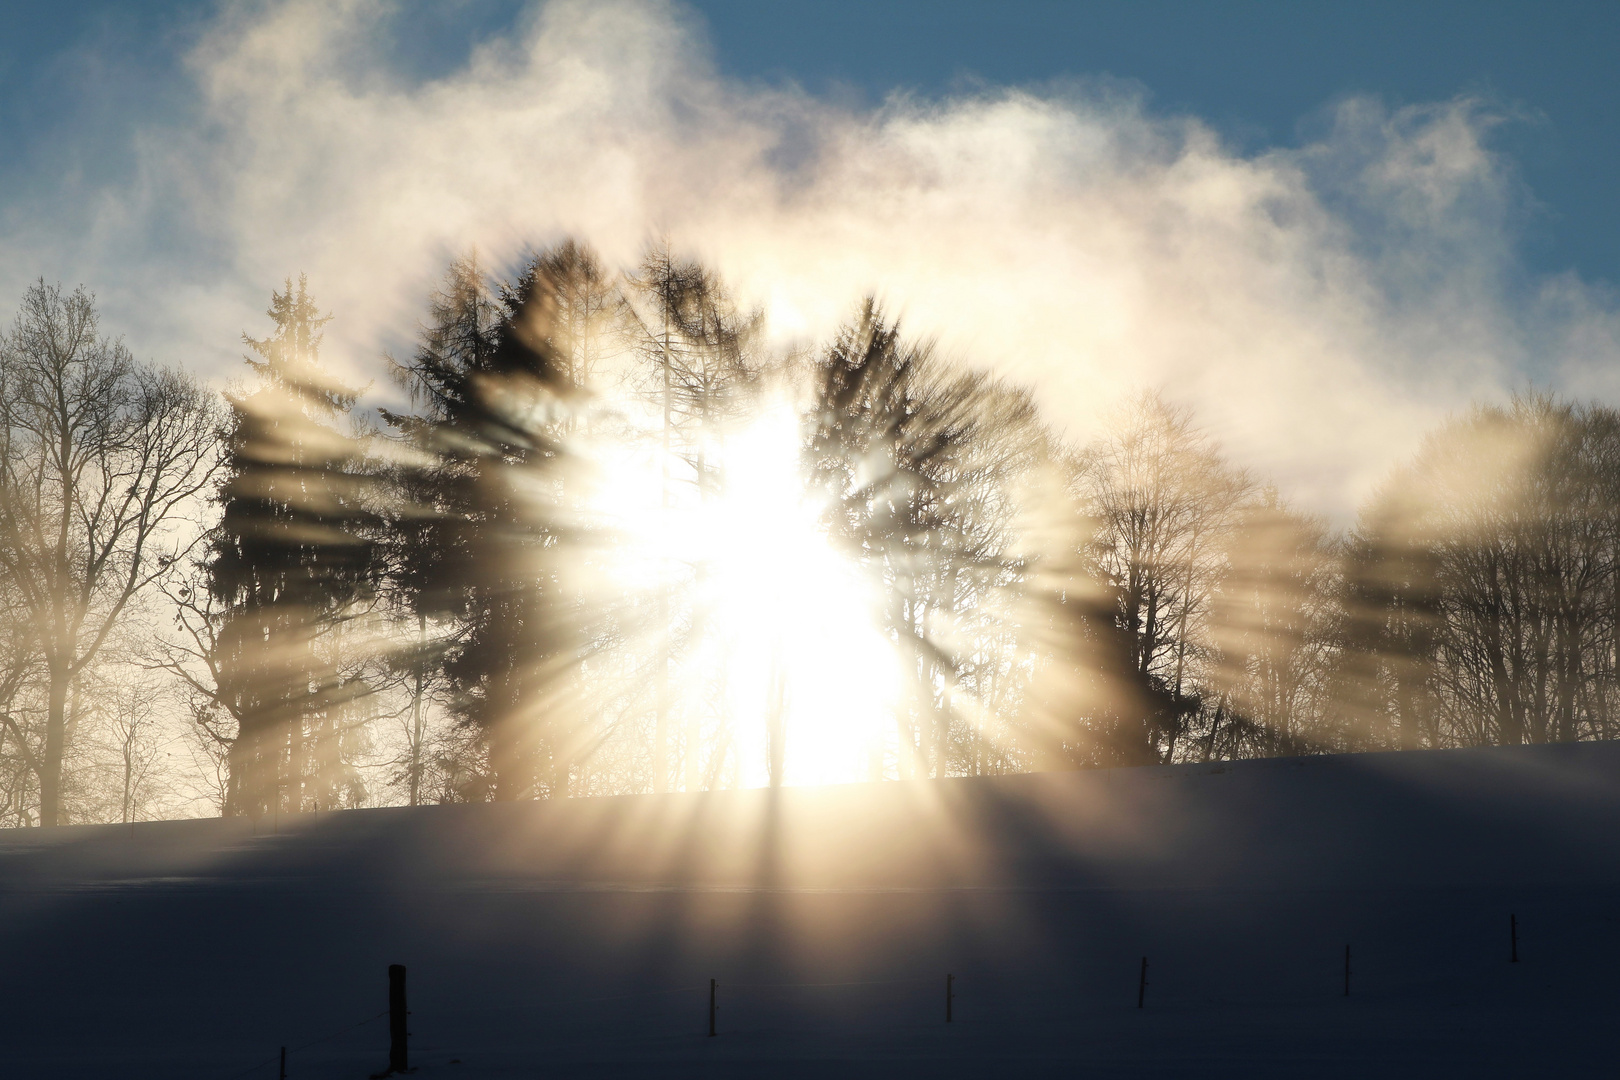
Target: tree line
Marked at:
273, 600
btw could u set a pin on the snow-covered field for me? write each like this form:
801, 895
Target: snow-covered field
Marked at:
577, 938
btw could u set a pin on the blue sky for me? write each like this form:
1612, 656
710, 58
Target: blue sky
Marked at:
1260, 72
1323, 227
75, 75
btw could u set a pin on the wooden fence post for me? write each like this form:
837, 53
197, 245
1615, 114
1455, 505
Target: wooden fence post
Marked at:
1141, 986
398, 1057
1347, 971
949, 979
1513, 938
713, 987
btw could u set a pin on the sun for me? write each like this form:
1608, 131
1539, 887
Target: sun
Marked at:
799, 617
780, 620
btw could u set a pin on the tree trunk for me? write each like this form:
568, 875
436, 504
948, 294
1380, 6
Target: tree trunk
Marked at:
50, 773
129, 775
775, 722
416, 712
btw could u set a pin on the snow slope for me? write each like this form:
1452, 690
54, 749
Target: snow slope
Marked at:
577, 938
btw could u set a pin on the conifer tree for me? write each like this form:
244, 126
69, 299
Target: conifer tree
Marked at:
919, 468
294, 559
495, 390
700, 371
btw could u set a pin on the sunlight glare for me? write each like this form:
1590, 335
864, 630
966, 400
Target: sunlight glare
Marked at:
787, 621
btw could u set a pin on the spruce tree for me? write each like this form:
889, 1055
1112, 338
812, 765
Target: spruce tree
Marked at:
494, 392
294, 558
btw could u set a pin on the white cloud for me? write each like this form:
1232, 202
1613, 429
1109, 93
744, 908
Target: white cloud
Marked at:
1320, 306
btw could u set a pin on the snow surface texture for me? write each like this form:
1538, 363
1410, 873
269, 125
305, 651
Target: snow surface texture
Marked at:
577, 938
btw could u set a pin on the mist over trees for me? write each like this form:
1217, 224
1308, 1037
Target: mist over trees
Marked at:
609, 538
1486, 577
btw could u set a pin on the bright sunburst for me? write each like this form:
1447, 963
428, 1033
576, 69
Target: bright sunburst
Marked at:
781, 636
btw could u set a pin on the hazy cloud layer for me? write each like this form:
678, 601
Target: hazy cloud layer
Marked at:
1321, 307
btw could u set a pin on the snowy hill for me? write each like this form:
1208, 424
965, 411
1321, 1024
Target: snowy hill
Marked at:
577, 938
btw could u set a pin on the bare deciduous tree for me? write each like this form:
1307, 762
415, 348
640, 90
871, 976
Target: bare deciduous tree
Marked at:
103, 457
1498, 555
1274, 625
1166, 503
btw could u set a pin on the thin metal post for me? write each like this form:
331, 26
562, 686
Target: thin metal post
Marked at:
713, 987
398, 1035
949, 994
1141, 986
283, 1063
1347, 971
1513, 938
